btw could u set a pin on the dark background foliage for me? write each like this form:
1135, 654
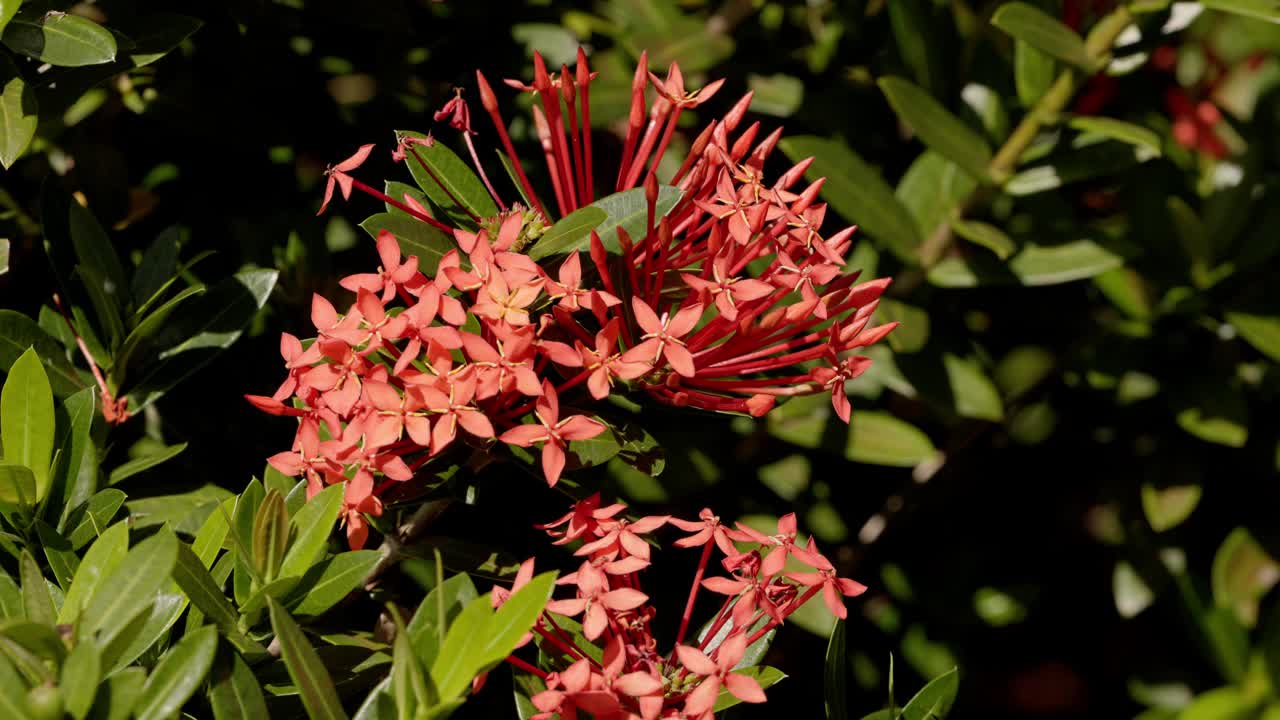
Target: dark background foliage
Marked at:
1036, 534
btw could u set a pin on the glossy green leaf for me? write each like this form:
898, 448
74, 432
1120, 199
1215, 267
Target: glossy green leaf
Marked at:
61, 39
1216, 415
1118, 130
987, 235
417, 239
1044, 32
935, 699
184, 512
100, 561
75, 475
58, 551
931, 189
330, 581
146, 462
778, 94
13, 690
203, 591
1224, 703
912, 332
1167, 507
270, 535
17, 484
628, 210
8, 8
79, 678
1096, 160
11, 607
131, 588
18, 333
277, 589
312, 526
764, 675
1268, 10
937, 127
90, 519
515, 618
974, 395
235, 693
18, 111
156, 34
1034, 265
449, 183
26, 419
180, 672
916, 39
159, 263
857, 191
879, 438
149, 325
1260, 331
1242, 573
319, 696
106, 309
1033, 72
35, 593
835, 674
119, 694
430, 623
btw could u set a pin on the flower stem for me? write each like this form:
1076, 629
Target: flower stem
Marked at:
693, 591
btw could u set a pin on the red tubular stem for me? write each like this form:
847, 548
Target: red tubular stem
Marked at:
401, 206
693, 591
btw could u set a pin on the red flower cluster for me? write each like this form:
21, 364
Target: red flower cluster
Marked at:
726, 302
633, 679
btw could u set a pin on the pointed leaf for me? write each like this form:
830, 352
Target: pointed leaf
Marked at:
63, 561
131, 588
100, 561
880, 439
17, 484
1034, 265
206, 594
146, 462
450, 185
332, 580
1118, 130
764, 675
270, 535
1044, 32
35, 592
93, 517
935, 699
937, 127
312, 525
18, 333
835, 674
236, 693
1242, 573
987, 235
61, 39
18, 113
26, 419
1268, 10
76, 473
628, 210
313, 681
180, 672
417, 239
1260, 331
80, 675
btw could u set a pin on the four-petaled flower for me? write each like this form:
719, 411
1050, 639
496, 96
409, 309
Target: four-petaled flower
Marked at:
553, 432
718, 673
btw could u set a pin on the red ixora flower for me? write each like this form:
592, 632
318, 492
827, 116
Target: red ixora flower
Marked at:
729, 296
633, 676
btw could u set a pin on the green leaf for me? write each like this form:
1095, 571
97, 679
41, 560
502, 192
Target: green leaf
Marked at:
1216, 415
764, 675
417, 239
18, 112
1224, 703
628, 210
106, 309
937, 127
1035, 265
146, 462
879, 438
1242, 573
1118, 130
26, 419
313, 525
17, 484
1102, 159
935, 699
8, 8
185, 512
76, 475
1260, 331
1033, 73
449, 183
1167, 507
159, 264
11, 607
57, 550
931, 189
180, 672
1044, 32
18, 333
987, 235
858, 192
515, 618
270, 535
570, 231
156, 34
835, 675
35, 592
235, 693
778, 94
330, 581
205, 593
149, 325
1131, 593
208, 326
13, 691
101, 560
313, 681
131, 588
915, 37
79, 678
74, 226
437, 612
1268, 10
61, 39
117, 697
92, 518
246, 508
972, 392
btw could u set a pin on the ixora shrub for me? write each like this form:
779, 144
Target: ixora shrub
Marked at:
491, 329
